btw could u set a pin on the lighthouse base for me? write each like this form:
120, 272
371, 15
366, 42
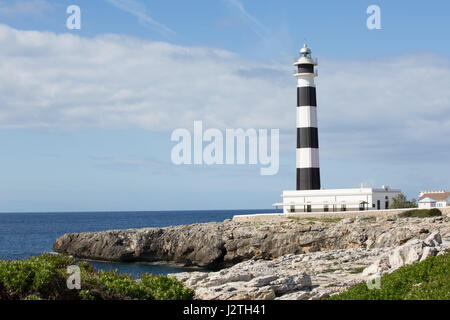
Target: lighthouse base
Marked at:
335, 200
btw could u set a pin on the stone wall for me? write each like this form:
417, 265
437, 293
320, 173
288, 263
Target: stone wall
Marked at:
272, 217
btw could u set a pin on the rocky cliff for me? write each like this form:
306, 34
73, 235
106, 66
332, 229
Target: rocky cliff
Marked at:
311, 276
218, 245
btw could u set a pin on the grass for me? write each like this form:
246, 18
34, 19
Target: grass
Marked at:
329, 258
329, 270
426, 280
371, 219
357, 270
313, 219
44, 278
421, 213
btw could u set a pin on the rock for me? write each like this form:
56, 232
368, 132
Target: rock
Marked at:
379, 266
412, 251
291, 283
222, 244
287, 277
320, 296
314, 275
433, 239
299, 295
428, 252
262, 281
230, 277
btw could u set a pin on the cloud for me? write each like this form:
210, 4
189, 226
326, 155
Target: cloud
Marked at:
140, 12
257, 27
397, 107
28, 8
128, 163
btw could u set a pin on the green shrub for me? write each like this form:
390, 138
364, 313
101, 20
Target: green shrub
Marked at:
33, 297
421, 213
44, 277
86, 295
435, 212
34, 274
426, 280
166, 288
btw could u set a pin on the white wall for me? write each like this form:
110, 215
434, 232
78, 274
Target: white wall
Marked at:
350, 197
426, 205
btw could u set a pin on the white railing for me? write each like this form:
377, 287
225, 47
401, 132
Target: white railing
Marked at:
314, 60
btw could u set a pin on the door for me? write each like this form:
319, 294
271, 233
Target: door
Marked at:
378, 204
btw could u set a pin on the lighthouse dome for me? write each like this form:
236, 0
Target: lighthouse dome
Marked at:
305, 50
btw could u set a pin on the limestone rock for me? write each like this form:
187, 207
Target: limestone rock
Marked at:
412, 251
220, 245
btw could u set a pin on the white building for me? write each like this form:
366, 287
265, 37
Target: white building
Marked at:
434, 199
334, 200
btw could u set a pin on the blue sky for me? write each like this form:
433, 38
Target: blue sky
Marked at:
86, 115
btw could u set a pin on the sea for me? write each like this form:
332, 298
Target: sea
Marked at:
23, 235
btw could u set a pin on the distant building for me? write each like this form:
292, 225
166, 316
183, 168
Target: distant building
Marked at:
434, 199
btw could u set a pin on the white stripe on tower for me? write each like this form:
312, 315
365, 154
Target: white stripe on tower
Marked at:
308, 170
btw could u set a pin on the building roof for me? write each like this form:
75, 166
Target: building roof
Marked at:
438, 196
425, 200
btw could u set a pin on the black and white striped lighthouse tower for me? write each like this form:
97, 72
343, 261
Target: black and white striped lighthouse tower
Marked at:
308, 172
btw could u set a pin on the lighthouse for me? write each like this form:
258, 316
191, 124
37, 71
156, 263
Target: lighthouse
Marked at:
309, 196
307, 162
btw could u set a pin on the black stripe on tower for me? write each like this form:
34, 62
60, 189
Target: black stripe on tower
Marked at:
307, 138
306, 96
308, 178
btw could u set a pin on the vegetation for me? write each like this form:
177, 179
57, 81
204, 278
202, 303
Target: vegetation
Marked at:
421, 213
313, 219
44, 278
357, 270
400, 202
426, 280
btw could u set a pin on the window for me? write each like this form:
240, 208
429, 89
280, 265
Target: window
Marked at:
361, 206
308, 208
439, 204
292, 208
325, 208
343, 207
386, 197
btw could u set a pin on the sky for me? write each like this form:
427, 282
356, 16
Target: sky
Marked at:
86, 116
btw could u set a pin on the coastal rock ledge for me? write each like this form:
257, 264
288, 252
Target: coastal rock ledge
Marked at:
309, 276
222, 244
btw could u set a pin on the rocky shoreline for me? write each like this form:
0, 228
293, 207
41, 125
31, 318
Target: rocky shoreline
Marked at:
309, 276
297, 258
222, 244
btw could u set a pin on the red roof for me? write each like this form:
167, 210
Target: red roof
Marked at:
438, 196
